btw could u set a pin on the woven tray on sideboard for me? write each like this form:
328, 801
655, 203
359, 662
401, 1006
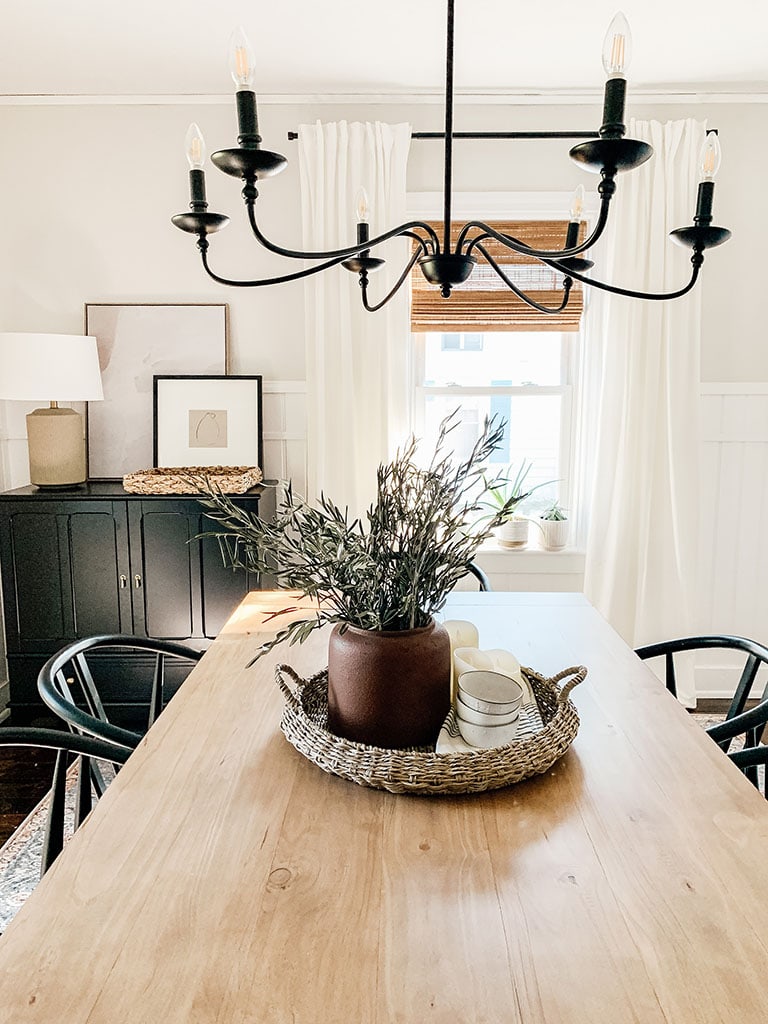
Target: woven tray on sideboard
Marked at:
422, 771
180, 480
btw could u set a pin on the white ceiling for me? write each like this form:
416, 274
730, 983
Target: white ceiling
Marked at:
310, 47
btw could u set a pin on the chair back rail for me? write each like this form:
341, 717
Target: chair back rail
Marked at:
66, 744
68, 687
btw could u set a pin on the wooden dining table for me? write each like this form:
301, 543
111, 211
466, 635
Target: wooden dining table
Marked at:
225, 878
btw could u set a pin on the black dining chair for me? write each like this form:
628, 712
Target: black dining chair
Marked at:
87, 750
738, 724
746, 729
750, 760
68, 685
756, 655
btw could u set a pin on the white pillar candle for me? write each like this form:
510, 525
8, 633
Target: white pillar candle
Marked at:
462, 634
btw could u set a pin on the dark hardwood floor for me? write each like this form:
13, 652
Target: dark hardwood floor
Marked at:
25, 775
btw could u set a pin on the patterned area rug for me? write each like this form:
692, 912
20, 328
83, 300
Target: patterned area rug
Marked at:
22, 854
20, 861
20, 857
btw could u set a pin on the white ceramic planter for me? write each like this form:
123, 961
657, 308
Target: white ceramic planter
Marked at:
554, 533
513, 533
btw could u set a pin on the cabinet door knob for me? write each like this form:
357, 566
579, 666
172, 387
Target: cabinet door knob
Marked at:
137, 581
123, 581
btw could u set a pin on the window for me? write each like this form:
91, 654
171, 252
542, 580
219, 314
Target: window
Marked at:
525, 377
509, 360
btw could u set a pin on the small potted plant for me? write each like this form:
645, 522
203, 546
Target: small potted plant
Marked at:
553, 523
503, 496
379, 580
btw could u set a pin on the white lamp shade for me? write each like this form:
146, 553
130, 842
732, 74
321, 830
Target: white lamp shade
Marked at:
49, 368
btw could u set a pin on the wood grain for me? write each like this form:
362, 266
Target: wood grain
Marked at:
223, 878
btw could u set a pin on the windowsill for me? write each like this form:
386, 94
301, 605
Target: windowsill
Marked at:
530, 559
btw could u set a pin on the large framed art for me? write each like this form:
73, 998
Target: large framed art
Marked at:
203, 420
135, 342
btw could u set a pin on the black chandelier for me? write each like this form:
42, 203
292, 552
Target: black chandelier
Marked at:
444, 265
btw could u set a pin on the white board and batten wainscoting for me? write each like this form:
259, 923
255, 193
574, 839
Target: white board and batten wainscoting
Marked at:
734, 506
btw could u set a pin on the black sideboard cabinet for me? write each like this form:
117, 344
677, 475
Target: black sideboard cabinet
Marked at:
96, 559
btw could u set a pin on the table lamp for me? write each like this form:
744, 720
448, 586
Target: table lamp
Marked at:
55, 368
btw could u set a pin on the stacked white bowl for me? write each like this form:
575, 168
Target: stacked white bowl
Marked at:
488, 708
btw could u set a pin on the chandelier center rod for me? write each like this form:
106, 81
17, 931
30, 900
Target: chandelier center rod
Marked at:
448, 169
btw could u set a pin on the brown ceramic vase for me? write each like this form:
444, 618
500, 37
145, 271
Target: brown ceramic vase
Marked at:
389, 689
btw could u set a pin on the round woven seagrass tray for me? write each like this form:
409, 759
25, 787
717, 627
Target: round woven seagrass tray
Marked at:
422, 771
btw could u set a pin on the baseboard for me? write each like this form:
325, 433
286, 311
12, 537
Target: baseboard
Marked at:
718, 682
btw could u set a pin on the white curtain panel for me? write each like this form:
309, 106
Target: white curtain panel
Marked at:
640, 394
359, 370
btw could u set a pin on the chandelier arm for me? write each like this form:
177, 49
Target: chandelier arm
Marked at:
395, 288
340, 254
697, 259
520, 247
268, 280
567, 285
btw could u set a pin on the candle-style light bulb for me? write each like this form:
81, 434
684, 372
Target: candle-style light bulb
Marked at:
362, 210
709, 161
362, 205
194, 146
242, 61
617, 47
577, 204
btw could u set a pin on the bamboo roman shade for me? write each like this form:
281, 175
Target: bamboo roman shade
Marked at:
484, 303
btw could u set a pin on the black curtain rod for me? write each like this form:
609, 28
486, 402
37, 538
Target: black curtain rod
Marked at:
292, 136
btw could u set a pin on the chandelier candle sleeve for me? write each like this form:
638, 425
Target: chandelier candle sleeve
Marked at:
574, 221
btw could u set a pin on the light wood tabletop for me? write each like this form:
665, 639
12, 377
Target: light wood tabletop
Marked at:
224, 878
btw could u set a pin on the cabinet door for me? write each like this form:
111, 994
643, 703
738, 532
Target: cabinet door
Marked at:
99, 572
61, 575
35, 562
164, 581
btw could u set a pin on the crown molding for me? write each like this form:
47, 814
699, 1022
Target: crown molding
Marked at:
465, 98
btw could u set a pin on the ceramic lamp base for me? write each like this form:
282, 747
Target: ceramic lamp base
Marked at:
56, 448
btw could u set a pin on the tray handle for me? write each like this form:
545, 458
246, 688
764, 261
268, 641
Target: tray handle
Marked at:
292, 696
578, 674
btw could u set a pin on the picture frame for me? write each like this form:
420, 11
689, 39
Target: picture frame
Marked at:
207, 420
136, 341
